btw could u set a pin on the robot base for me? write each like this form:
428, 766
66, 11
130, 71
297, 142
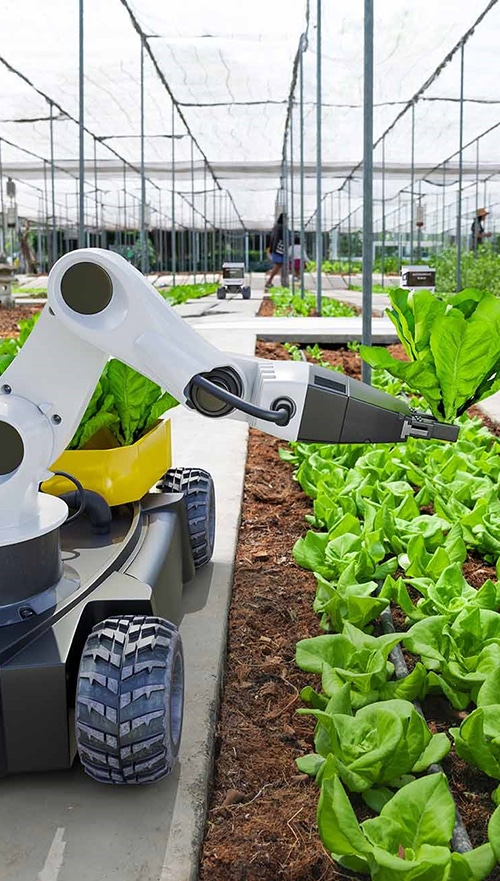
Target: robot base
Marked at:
129, 580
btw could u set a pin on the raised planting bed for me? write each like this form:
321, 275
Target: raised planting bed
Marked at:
262, 813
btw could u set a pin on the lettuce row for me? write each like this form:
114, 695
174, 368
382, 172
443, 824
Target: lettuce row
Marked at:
409, 840
365, 502
379, 746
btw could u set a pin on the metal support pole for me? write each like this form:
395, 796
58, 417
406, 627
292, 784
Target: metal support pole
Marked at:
284, 191
53, 189
301, 160
443, 213
383, 213
412, 209
2, 207
205, 237
81, 140
144, 248
460, 169
125, 204
292, 206
319, 243
160, 231
192, 235
367, 185
173, 236
214, 232
419, 228
349, 251
46, 202
96, 192
477, 193
38, 229
247, 254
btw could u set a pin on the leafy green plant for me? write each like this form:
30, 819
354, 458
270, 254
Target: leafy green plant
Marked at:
410, 839
125, 402
294, 351
182, 292
360, 660
376, 288
481, 270
449, 595
286, 303
453, 345
29, 291
477, 741
9, 346
379, 746
462, 651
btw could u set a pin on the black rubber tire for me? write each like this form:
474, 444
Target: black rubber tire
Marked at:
221, 294
246, 292
129, 700
199, 495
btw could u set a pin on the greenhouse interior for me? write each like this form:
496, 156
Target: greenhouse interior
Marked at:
249, 440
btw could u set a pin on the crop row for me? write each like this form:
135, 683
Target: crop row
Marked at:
395, 525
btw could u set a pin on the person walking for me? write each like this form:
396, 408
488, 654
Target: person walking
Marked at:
477, 229
276, 252
298, 257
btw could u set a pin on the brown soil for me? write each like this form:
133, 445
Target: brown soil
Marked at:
262, 812
9, 318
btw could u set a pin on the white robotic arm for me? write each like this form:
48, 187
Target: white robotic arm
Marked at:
99, 305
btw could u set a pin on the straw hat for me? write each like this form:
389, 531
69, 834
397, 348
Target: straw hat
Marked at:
482, 212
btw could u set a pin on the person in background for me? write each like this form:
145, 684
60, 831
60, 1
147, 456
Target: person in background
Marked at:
297, 256
275, 252
477, 229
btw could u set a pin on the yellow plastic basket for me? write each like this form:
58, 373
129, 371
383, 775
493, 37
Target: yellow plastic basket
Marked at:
120, 474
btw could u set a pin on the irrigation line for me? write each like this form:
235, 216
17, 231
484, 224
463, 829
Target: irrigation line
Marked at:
460, 841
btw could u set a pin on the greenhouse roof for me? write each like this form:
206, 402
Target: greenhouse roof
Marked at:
218, 82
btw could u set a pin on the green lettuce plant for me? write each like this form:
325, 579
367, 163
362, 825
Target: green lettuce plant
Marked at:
360, 660
463, 651
449, 595
125, 402
453, 346
410, 839
378, 746
477, 741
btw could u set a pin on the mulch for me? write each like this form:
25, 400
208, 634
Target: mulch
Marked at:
9, 318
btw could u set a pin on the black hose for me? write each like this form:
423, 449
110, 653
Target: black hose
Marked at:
96, 508
79, 494
460, 841
280, 416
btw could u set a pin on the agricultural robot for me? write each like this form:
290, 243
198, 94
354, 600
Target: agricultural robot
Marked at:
90, 661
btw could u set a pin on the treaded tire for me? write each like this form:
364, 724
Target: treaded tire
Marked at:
129, 700
199, 496
246, 292
221, 294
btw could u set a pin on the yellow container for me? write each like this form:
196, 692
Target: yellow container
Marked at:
119, 474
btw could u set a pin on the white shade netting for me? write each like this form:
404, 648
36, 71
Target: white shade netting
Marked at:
218, 119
